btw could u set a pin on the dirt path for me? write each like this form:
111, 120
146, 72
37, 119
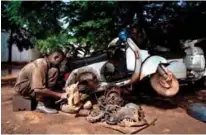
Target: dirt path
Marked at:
169, 121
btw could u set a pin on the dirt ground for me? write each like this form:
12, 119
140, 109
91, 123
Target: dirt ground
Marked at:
172, 120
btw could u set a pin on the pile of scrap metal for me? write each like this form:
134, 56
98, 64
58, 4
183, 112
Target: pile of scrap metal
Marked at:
130, 115
110, 108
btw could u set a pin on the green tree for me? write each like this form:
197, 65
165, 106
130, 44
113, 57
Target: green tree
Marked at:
96, 23
17, 34
89, 22
93, 23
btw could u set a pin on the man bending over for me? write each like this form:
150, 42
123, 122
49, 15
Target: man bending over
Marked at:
37, 78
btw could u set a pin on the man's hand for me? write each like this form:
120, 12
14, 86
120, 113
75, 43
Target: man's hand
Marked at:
64, 89
64, 96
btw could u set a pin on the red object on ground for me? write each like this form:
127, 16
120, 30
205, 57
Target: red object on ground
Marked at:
66, 76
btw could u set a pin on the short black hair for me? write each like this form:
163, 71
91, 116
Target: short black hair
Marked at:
57, 51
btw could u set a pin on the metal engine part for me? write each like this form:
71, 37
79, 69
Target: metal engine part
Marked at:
95, 115
108, 103
131, 115
194, 59
112, 97
111, 119
165, 87
128, 116
111, 111
129, 111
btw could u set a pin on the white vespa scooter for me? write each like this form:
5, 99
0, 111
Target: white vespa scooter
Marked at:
164, 74
190, 68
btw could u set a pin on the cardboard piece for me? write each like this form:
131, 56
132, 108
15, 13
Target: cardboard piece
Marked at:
128, 130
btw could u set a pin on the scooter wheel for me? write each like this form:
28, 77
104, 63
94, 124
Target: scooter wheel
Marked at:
163, 91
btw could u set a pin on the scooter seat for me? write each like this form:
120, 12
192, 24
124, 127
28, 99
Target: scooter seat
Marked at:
119, 78
89, 60
168, 55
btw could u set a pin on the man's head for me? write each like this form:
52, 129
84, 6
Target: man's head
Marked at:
56, 57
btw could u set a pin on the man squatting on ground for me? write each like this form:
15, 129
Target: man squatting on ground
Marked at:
37, 79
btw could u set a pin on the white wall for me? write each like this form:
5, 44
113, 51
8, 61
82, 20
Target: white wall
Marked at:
17, 56
4, 48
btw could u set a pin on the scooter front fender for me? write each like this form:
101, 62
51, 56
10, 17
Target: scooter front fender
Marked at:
150, 64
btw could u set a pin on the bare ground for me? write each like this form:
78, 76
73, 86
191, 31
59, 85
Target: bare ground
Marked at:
172, 120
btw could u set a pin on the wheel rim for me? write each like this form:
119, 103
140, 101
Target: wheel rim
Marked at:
167, 88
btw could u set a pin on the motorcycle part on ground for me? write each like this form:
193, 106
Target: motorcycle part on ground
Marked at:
104, 113
131, 115
114, 99
69, 109
128, 116
197, 111
87, 105
111, 119
75, 100
82, 112
112, 96
165, 87
131, 106
95, 115
112, 113
102, 100
134, 107
127, 122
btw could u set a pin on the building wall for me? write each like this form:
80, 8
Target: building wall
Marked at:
4, 48
17, 56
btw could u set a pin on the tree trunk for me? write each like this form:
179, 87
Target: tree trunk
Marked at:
10, 53
10, 47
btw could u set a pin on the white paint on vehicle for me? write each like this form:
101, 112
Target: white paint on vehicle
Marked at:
151, 64
130, 59
179, 69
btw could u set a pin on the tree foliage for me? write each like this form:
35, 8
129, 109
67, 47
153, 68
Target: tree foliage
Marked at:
17, 34
93, 23
55, 42
57, 24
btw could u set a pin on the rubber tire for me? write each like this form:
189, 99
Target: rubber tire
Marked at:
197, 111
